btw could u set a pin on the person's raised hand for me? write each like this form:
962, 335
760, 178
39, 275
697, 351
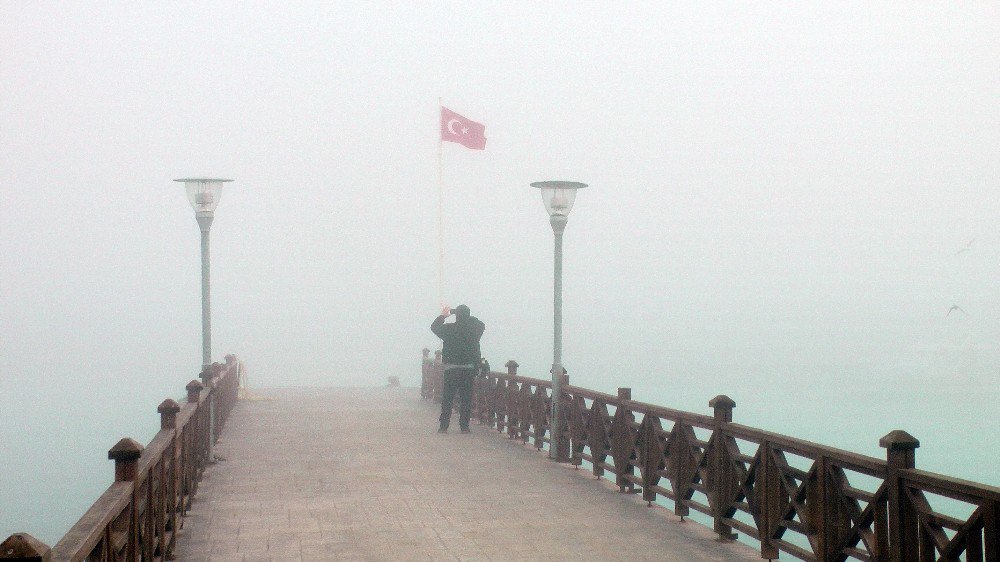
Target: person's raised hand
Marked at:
446, 311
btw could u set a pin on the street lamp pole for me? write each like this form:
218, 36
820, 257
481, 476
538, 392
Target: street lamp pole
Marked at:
205, 224
558, 197
558, 223
204, 194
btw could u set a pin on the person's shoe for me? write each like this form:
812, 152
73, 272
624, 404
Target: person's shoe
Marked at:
442, 430
466, 430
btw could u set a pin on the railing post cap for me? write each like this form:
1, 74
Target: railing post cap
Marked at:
511, 363
23, 546
899, 440
194, 386
230, 358
722, 401
168, 406
425, 351
125, 450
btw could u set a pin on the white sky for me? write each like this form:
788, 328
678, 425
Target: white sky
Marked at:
777, 182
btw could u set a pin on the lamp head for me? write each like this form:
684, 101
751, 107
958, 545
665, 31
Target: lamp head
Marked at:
558, 196
203, 193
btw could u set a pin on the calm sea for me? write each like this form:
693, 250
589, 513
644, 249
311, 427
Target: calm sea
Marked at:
53, 443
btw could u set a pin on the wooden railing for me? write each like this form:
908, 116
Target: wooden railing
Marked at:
431, 379
138, 516
793, 496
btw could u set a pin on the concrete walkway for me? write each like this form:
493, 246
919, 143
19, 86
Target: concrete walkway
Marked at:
361, 474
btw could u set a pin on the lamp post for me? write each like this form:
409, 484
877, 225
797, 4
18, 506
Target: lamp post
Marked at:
558, 197
204, 195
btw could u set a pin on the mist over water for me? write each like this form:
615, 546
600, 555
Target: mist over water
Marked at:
784, 203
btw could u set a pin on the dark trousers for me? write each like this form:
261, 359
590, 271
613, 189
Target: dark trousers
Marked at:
459, 380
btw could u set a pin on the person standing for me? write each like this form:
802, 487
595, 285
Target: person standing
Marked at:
460, 354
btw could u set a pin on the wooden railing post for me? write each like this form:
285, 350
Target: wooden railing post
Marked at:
126, 455
721, 474
503, 399
168, 410
621, 441
24, 548
206, 376
195, 460
900, 449
722, 406
194, 389
168, 413
512, 408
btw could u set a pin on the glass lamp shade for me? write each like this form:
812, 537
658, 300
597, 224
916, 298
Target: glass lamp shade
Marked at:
203, 193
558, 196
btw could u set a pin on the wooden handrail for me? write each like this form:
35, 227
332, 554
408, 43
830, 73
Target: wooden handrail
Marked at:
955, 488
139, 514
743, 477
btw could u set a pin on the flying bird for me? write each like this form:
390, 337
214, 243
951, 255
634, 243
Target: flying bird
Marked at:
955, 307
966, 248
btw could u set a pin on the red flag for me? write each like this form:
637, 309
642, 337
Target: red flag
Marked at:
468, 133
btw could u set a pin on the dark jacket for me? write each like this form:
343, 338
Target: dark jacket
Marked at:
460, 339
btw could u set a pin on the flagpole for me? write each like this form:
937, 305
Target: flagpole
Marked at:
440, 210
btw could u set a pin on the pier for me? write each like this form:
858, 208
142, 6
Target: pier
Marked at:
362, 474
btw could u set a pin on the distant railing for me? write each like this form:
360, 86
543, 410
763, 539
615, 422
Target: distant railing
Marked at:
794, 496
138, 516
431, 379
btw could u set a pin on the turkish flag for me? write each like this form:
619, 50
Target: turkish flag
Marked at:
468, 133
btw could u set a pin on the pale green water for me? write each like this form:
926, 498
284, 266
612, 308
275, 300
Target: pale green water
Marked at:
54, 445
851, 408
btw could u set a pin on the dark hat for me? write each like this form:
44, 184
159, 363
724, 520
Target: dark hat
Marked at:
462, 311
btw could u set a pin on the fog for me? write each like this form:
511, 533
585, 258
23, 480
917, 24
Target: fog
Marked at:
772, 189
